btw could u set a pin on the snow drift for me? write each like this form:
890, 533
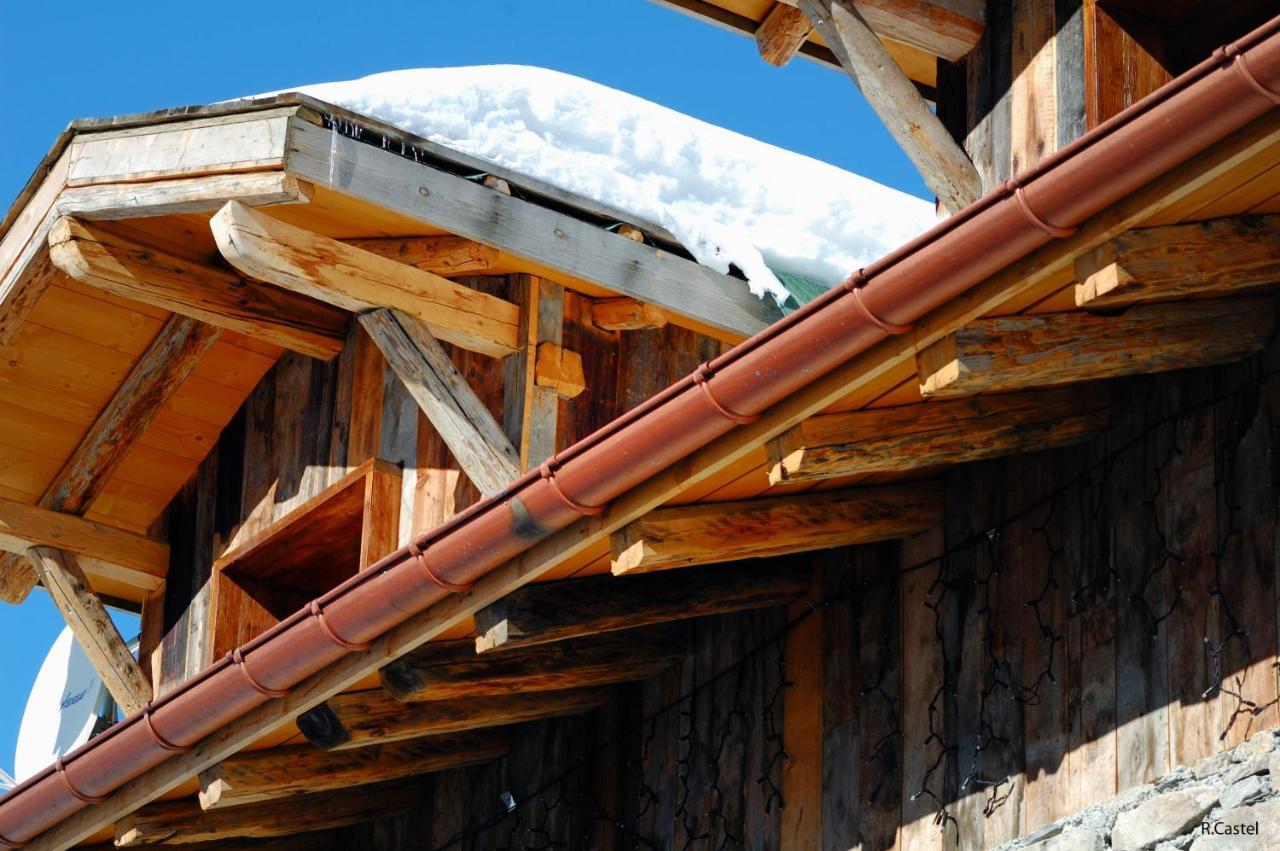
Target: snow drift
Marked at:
728, 198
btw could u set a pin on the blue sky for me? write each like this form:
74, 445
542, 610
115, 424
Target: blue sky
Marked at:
77, 59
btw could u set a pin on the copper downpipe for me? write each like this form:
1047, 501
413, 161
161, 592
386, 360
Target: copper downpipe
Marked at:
1237, 85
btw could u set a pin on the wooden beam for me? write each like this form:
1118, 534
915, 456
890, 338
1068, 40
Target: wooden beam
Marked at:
204, 194
441, 255
161, 370
870, 374
267, 775
1170, 262
1015, 352
911, 437
547, 243
560, 370
558, 611
781, 34
940, 160
182, 821
728, 531
530, 412
28, 286
92, 627
136, 560
361, 718
99, 258
356, 280
458, 415
626, 314
451, 669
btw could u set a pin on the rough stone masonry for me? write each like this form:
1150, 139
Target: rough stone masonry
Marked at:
1228, 802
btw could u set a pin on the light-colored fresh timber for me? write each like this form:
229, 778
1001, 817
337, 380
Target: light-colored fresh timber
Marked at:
781, 34
163, 367
111, 201
447, 256
626, 314
559, 369
911, 437
941, 161
530, 412
182, 822
142, 273
1166, 263
360, 718
553, 245
459, 417
450, 670
727, 531
103, 550
243, 142
92, 627
267, 775
357, 280
1016, 352
874, 371
631, 232
559, 611
27, 289
25, 271
945, 28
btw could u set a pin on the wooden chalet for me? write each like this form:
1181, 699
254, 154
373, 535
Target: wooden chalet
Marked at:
436, 544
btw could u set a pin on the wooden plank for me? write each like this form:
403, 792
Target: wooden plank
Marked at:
147, 274
446, 255
112, 201
781, 34
802, 725
560, 370
152, 382
912, 437
942, 163
719, 532
92, 627
268, 775
1033, 110
880, 368
626, 314
553, 244
531, 413
356, 280
127, 557
539, 614
948, 29
1014, 352
182, 821
451, 669
1166, 263
26, 290
459, 417
361, 718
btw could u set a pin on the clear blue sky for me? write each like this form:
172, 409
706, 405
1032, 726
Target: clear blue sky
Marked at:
79, 59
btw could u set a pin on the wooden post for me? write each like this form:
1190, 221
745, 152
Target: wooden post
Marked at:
802, 724
531, 411
944, 166
92, 627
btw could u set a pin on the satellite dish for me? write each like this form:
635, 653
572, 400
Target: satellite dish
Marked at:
67, 705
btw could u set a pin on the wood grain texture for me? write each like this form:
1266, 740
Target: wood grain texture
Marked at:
626, 314
781, 34
802, 710
361, 718
1014, 352
95, 633
720, 532
180, 196
911, 437
452, 669
99, 258
182, 821
560, 370
356, 280
942, 164
269, 775
460, 419
1167, 263
531, 413
154, 379
540, 614
442, 255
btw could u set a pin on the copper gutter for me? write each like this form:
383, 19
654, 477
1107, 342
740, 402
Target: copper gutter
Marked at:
1237, 85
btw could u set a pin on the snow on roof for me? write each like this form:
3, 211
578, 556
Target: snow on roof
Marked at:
728, 198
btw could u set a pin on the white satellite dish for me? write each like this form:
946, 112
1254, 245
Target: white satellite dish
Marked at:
65, 708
